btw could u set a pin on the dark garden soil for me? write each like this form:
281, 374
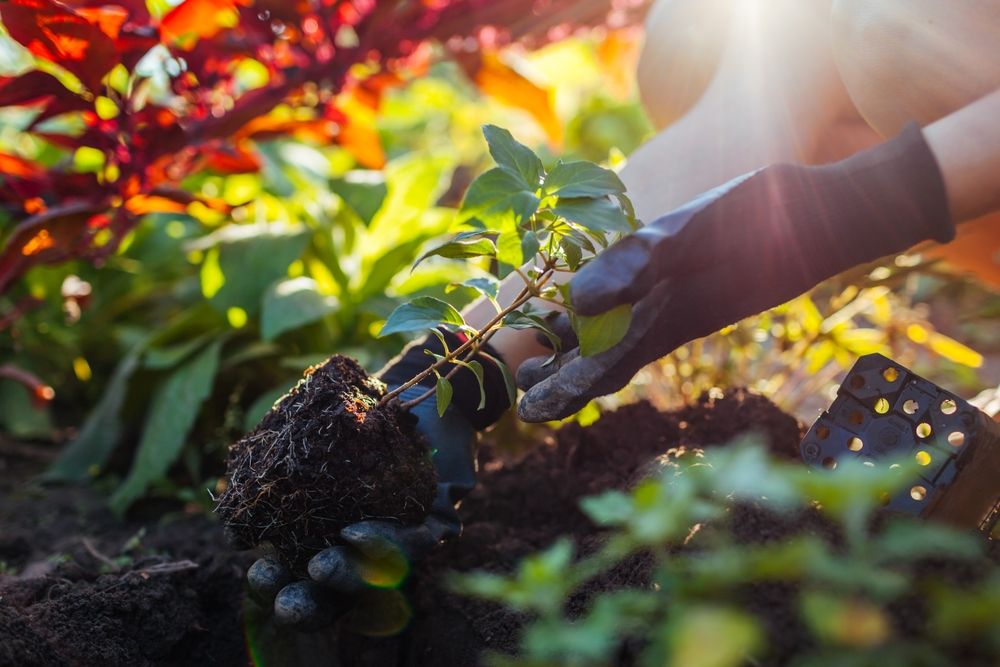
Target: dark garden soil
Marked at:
177, 598
326, 456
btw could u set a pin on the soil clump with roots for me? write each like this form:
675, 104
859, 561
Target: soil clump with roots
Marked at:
325, 456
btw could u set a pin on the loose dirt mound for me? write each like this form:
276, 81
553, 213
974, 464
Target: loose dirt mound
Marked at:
327, 455
75, 615
85, 589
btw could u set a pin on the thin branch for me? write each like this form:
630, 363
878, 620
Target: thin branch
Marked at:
475, 341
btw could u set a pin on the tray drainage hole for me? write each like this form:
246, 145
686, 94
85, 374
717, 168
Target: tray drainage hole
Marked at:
882, 406
918, 492
890, 374
822, 432
910, 407
948, 406
857, 382
923, 430
923, 458
829, 463
956, 438
856, 417
855, 444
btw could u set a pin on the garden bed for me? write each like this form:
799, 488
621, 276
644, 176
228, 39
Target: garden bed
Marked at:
75, 599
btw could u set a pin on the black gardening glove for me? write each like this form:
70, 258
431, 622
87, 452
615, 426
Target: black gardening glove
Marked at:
742, 248
360, 576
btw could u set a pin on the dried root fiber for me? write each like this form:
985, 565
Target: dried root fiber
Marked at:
325, 456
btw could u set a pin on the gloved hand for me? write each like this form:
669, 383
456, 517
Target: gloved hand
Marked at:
739, 249
376, 556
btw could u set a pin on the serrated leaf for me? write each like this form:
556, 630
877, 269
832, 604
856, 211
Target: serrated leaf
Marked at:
597, 215
173, 411
513, 156
582, 179
604, 331
422, 313
461, 249
290, 304
497, 196
443, 392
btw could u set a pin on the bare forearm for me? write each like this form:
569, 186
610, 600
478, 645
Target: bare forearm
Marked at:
967, 147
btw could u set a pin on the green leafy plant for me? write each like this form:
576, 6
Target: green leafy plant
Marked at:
848, 582
536, 223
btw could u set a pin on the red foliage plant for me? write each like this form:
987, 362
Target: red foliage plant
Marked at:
319, 56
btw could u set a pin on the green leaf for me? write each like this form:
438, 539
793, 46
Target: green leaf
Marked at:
519, 320
362, 191
160, 358
529, 246
572, 251
442, 394
249, 258
510, 250
422, 313
488, 287
175, 406
597, 215
102, 429
263, 404
497, 196
19, 417
513, 156
604, 331
461, 249
477, 370
508, 381
582, 179
705, 636
290, 304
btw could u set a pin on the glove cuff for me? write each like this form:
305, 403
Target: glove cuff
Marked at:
466, 396
898, 195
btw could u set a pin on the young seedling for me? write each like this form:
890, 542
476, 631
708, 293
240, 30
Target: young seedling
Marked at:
520, 215
340, 447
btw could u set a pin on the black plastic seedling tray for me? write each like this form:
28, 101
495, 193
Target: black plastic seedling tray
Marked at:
884, 413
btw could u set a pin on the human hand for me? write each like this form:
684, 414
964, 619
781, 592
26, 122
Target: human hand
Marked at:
746, 246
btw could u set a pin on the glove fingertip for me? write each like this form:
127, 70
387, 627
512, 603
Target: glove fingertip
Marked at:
266, 577
300, 604
336, 569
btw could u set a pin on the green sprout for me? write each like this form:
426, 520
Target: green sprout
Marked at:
534, 223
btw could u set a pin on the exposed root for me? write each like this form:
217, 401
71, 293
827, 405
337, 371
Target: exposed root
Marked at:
326, 455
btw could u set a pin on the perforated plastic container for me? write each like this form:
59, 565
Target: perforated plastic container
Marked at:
885, 412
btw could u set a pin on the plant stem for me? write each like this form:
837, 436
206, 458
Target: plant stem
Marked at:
476, 341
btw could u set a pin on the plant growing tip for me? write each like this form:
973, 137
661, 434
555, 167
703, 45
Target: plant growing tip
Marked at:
535, 223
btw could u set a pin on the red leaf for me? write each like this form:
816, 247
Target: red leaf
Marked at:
197, 19
30, 87
48, 237
53, 31
231, 160
12, 165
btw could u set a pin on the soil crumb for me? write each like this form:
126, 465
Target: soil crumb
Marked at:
325, 456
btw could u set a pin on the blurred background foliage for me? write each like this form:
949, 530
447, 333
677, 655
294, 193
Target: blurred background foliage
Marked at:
182, 339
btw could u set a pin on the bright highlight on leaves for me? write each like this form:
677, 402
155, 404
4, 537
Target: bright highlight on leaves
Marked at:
421, 314
602, 332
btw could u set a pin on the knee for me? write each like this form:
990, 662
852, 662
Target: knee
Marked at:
681, 53
914, 60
